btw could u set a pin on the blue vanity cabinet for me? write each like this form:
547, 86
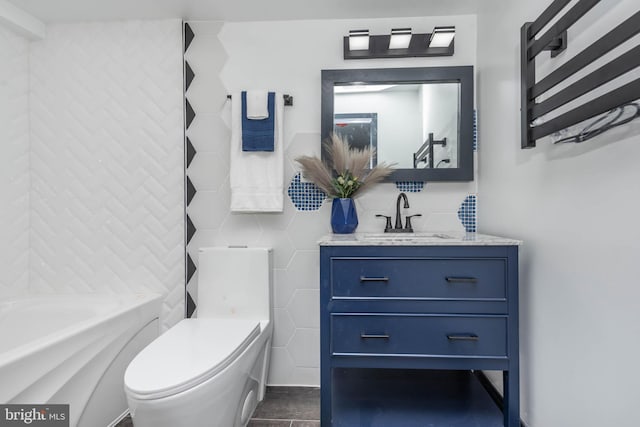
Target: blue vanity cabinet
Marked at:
395, 320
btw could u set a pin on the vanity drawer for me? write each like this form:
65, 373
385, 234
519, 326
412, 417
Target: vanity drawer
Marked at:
429, 335
418, 278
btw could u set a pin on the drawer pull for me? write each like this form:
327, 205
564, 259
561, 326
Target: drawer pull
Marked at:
461, 280
375, 337
469, 337
373, 279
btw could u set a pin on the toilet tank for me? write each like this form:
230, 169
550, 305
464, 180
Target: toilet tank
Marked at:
235, 283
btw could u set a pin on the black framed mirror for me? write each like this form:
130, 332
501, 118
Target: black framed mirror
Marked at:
424, 118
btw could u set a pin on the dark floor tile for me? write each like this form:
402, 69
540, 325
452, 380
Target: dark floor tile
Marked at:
290, 403
269, 423
126, 422
296, 423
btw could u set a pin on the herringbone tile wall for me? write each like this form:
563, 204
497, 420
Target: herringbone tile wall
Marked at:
14, 163
107, 160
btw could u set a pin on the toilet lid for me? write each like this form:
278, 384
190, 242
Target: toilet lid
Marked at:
189, 353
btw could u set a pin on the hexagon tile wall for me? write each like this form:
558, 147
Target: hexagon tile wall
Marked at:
221, 58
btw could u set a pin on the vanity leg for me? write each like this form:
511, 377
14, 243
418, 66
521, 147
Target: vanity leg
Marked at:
510, 380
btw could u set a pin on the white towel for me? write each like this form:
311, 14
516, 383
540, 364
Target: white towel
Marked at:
257, 104
256, 177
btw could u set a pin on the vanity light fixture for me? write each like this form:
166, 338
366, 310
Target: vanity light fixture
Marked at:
400, 38
442, 36
401, 43
359, 40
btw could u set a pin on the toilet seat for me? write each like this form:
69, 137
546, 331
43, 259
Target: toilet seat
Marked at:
186, 355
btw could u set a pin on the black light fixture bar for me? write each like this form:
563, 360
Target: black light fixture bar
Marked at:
379, 48
359, 40
440, 33
400, 36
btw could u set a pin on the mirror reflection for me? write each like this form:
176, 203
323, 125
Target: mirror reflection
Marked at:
420, 118
414, 125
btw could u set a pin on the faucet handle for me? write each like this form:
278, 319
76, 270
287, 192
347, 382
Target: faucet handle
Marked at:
387, 227
407, 225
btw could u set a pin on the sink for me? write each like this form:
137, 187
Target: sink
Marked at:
406, 237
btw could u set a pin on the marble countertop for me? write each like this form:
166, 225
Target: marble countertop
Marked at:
416, 239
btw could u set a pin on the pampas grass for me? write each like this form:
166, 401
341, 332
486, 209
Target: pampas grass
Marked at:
348, 175
317, 172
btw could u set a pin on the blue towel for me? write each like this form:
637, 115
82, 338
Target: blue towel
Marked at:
258, 135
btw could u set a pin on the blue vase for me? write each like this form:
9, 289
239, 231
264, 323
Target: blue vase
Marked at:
344, 218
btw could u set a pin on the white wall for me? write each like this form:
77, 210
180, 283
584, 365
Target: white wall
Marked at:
107, 160
288, 57
14, 163
575, 207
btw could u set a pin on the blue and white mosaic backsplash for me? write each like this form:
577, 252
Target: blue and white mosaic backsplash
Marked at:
467, 213
410, 186
306, 196
475, 130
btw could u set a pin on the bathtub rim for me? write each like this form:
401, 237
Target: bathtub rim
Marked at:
128, 302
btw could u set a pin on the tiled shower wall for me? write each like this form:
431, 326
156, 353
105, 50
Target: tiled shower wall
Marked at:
287, 57
14, 163
107, 160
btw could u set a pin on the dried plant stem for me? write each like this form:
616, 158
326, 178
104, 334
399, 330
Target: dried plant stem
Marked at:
348, 175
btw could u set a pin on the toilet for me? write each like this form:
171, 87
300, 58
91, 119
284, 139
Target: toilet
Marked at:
210, 370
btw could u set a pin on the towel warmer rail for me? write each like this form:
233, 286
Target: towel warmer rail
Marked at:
555, 40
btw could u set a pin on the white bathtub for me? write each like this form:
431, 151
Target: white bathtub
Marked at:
74, 349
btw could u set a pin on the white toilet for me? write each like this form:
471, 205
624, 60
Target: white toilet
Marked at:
210, 371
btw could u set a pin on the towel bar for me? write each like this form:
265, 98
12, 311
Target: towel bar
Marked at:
288, 99
553, 39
